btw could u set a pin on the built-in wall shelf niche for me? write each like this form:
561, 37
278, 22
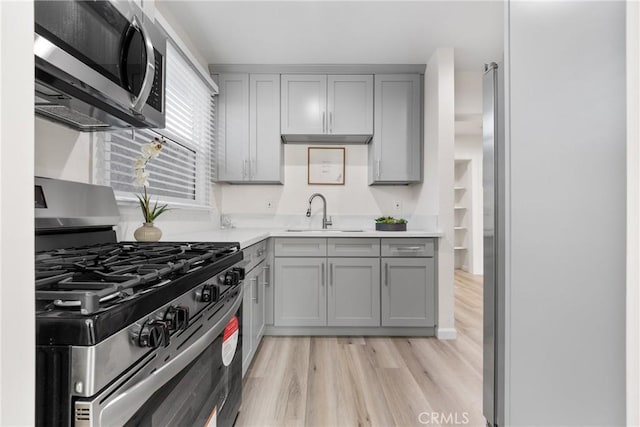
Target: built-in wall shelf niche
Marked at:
462, 213
468, 124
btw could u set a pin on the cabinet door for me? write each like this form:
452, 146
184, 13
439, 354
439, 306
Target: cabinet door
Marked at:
395, 150
257, 311
303, 104
300, 294
264, 129
350, 104
248, 346
408, 292
354, 292
233, 127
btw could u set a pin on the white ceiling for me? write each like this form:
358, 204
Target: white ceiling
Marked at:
339, 32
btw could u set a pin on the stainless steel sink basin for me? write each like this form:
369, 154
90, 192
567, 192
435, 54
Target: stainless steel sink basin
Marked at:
322, 230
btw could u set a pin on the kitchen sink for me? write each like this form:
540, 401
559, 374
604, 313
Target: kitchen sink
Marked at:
322, 230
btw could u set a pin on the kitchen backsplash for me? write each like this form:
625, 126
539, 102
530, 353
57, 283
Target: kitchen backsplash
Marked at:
415, 222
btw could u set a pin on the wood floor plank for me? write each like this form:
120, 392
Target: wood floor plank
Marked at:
371, 381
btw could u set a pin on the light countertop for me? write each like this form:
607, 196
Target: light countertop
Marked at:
249, 236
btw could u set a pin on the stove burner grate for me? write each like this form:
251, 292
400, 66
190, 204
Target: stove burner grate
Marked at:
83, 278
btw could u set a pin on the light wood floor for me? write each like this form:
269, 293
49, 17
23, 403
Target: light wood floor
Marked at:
329, 381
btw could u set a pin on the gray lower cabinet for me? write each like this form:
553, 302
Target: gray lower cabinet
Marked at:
252, 314
408, 292
371, 284
354, 292
300, 294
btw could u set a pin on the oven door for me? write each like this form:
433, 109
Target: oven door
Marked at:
200, 386
105, 45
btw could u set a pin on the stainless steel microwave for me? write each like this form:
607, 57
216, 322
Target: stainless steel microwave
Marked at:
99, 65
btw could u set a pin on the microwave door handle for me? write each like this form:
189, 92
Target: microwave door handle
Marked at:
138, 102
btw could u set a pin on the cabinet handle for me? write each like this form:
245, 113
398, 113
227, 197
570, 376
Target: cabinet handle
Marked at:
408, 248
323, 123
255, 298
257, 292
245, 173
331, 274
322, 281
386, 274
330, 122
378, 168
266, 268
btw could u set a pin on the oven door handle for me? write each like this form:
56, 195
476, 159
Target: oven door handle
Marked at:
138, 102
126, 404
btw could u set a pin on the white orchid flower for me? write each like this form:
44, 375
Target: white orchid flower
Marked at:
141, 178
139, 164
151, 150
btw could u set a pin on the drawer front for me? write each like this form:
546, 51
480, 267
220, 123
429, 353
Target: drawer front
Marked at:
408, 247
301, 247
254, 255
353, 247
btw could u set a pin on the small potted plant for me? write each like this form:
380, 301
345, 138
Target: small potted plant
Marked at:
150, 211
389, 223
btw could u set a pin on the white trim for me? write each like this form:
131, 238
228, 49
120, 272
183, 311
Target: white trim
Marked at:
160, 19
17, 344
446, 333
633, 213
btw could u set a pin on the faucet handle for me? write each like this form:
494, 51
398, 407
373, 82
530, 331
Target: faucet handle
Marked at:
329, 221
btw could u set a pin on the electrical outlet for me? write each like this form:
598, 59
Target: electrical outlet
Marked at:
397, 206
269, 204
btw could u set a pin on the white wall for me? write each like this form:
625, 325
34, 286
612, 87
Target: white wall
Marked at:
468, 146
469, 92
566, 213
633, 213
353, 198
64, 153
435, 195
17, 316
61, 152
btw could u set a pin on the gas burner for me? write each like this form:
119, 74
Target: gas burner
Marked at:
90, 277
76, 303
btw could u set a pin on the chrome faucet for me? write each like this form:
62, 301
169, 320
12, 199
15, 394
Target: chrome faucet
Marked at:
325, 222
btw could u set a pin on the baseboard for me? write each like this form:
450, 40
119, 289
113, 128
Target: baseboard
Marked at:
446, 333
349, 331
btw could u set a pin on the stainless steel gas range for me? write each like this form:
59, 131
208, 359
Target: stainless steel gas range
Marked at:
131, 333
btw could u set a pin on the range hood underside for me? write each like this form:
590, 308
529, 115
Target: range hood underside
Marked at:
326, 139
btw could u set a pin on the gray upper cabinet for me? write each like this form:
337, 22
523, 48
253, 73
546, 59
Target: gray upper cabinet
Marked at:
304, 104
408, 292
395, 153
248, 140
350, 104
354, 292
327, 108
265, 148
233, 127
300, 295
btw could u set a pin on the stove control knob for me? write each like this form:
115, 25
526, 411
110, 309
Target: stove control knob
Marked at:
177, 318
240, 271
231, 278
209, 293
154, 334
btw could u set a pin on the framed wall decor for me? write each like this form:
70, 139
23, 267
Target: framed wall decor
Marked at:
325, 165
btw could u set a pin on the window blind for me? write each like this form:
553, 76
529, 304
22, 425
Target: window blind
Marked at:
182, 172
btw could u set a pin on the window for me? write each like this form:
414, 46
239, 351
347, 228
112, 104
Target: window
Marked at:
182, 171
